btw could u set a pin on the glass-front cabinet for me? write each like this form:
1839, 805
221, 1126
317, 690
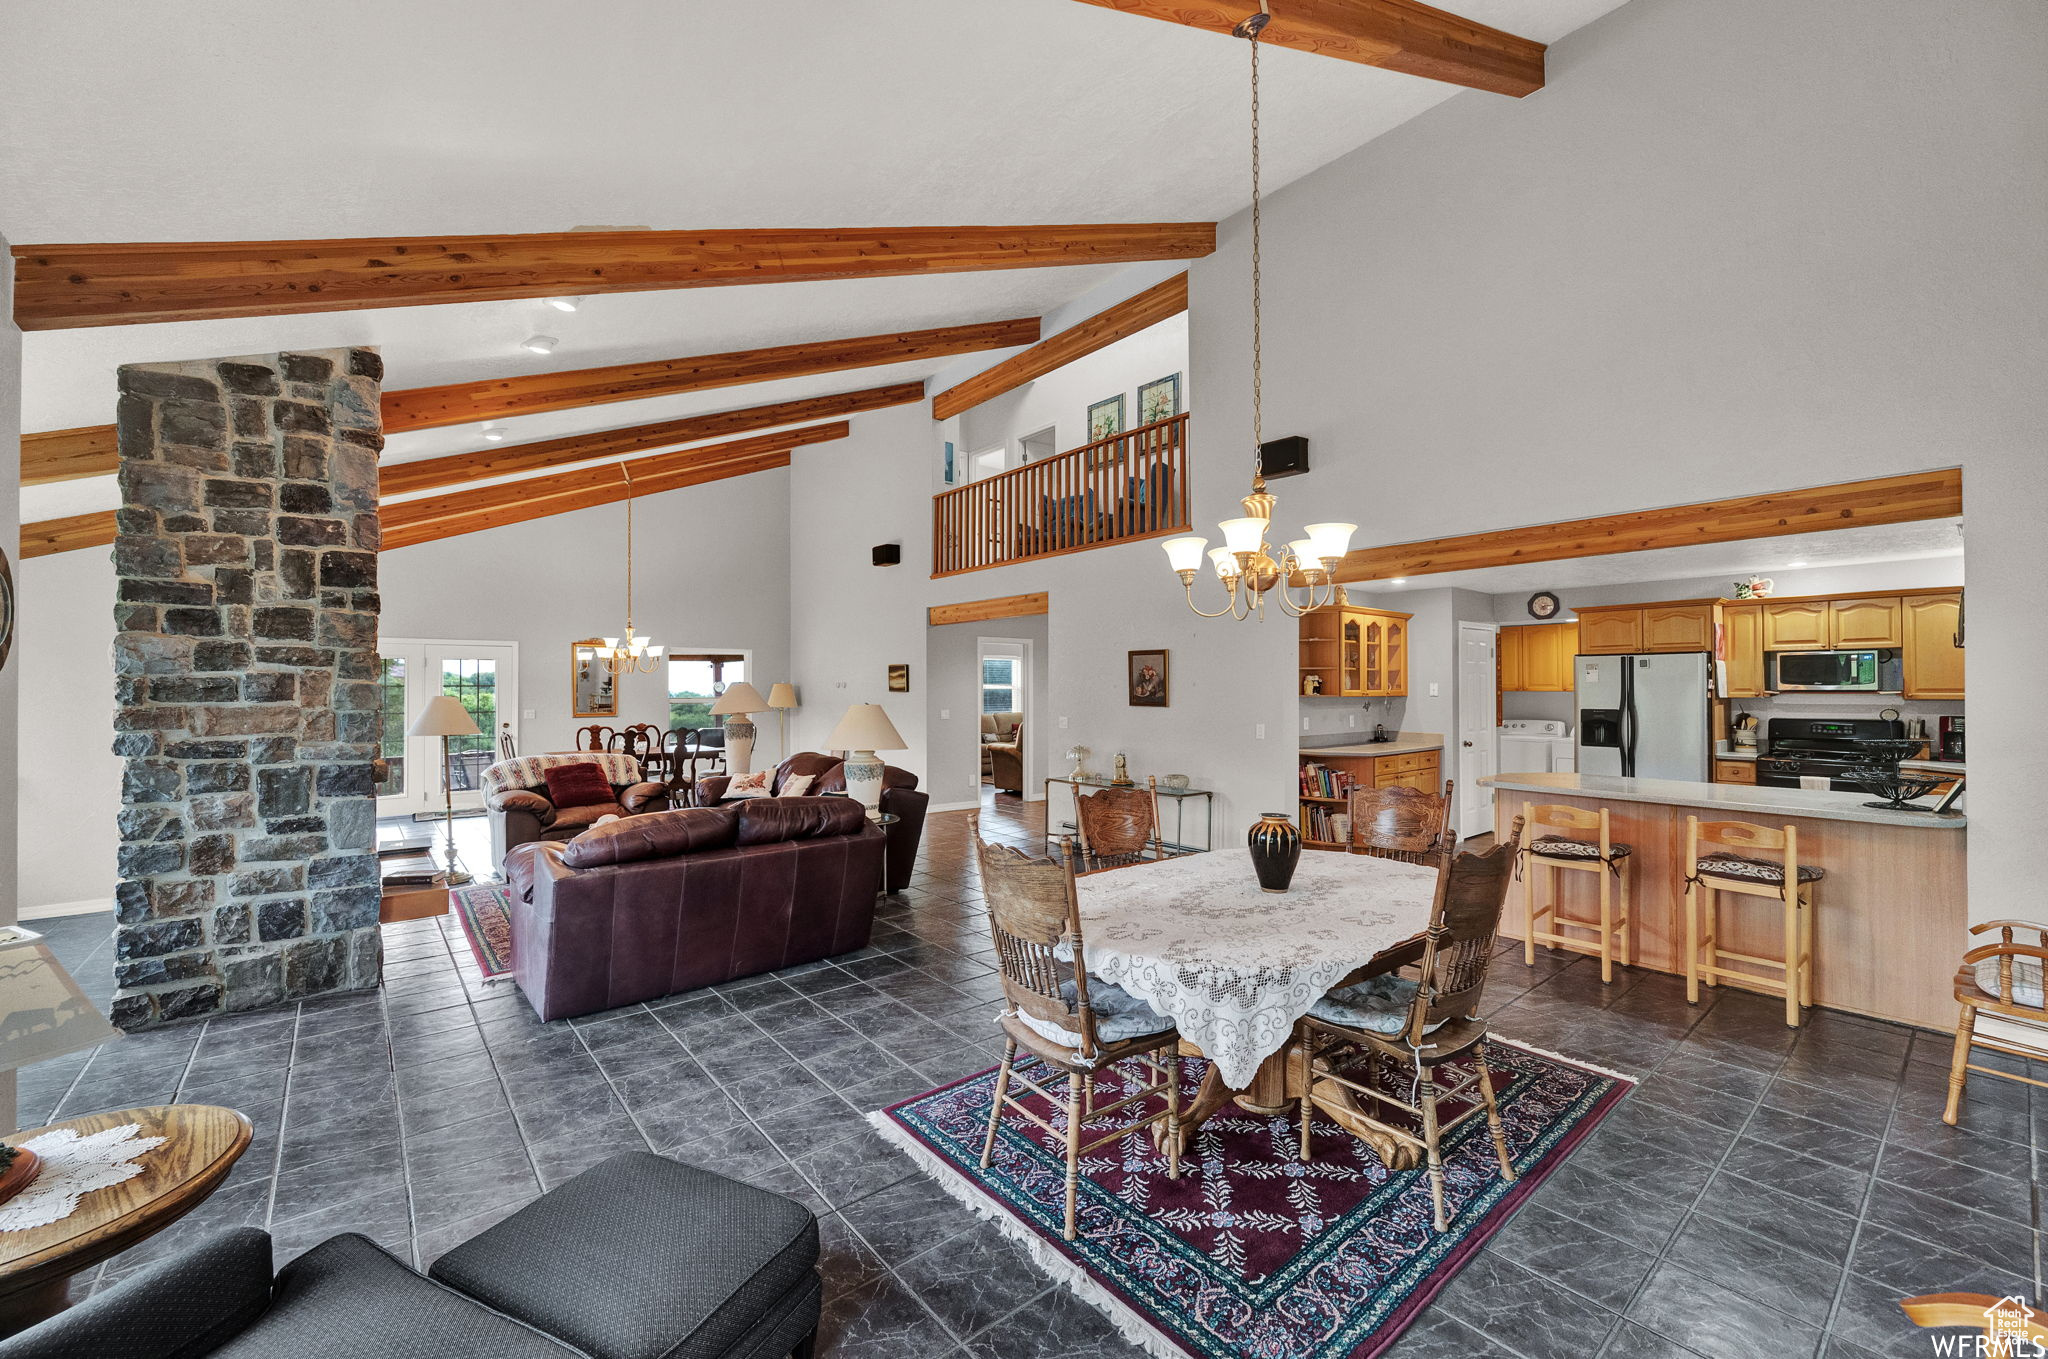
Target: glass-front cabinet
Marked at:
1372, 649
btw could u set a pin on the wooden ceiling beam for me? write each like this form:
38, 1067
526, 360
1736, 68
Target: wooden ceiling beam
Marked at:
1105, 328
68, 454
496, 399
407, 478
60, 286
49, 536
645, 472
1397, 35
1853, 504
986, 610
429, 530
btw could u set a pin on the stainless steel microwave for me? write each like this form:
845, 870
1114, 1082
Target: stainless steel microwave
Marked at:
1791, 671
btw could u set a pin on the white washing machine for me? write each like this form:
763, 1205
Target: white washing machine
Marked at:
1530, 745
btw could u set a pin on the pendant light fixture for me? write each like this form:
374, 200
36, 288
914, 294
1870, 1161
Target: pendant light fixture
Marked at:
630, 654
1246, 563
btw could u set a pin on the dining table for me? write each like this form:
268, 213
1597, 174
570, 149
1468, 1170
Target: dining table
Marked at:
1234, 966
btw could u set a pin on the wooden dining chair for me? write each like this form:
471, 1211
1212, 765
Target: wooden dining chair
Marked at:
2004, 980
674, 759
636, 740
1421, 1025
508, 743
1072, 1023
1401, 823
594, 737
1118, 825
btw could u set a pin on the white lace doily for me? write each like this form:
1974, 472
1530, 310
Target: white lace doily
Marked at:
1233, 966
73, 1167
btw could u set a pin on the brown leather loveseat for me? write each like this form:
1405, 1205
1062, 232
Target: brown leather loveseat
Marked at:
900, 799
516, 796
651, 905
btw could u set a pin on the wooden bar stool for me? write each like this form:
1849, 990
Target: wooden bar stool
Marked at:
1558, 840
1724, 856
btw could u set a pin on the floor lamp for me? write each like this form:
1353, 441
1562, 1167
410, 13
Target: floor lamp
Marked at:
445, 717
782, 697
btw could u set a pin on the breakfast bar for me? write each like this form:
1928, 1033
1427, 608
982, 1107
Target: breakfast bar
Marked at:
1891, 914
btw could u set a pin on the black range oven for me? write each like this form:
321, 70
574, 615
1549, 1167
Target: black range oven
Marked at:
1835, 749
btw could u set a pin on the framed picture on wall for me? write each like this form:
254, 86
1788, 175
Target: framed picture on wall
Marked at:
590, 683
1106, 417
1147, 679
1159, 399
899, 679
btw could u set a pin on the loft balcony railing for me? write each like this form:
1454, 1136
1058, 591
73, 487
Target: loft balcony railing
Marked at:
1121, 489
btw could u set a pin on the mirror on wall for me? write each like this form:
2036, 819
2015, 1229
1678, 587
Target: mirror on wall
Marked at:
591, 689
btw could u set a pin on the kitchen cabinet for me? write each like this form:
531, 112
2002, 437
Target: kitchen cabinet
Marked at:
1678, 627
1743, 632
1610, 632
1422, 771
1934, 662
1372, 651
1537, 657
1863, 624
1797, 625
1735, 771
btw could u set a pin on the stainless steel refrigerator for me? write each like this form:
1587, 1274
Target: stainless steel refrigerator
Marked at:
1645, 716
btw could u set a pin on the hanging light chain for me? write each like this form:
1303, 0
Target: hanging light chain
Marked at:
1258, 335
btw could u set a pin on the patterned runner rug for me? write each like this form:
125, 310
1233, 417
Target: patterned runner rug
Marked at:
1253, 1252
485, 912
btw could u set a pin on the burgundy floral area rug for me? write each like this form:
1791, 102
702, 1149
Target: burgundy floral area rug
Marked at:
484, 911
1253, 1253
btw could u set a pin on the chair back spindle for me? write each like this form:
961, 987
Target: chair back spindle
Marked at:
1464, 923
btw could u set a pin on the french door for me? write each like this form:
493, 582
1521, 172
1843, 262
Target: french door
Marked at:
484, 677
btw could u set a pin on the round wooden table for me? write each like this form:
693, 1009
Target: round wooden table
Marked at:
201, 1144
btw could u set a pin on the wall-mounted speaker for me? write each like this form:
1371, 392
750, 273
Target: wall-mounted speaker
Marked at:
888, 554
1284, 457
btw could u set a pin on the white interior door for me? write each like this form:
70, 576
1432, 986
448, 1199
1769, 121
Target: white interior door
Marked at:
1476, 726
484, 676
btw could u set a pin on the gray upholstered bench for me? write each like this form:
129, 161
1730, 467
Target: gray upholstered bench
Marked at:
640, 1257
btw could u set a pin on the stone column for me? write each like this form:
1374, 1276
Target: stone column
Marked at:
245, 656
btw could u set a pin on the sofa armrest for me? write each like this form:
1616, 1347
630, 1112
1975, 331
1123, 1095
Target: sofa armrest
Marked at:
909, 806
708, 790
645, 797
520, 800
190, 1303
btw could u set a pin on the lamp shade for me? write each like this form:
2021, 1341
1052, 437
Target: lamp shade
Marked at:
1185, 553
865, 727
444, 715
1331, 540
1243, 535
43, 1013
782, 696
739, 697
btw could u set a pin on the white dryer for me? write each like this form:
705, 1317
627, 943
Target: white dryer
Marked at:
1530, 745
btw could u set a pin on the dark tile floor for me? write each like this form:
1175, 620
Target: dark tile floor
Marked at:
1764, 1192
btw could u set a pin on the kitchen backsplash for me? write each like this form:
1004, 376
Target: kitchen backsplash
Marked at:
1838, 705
1352, 716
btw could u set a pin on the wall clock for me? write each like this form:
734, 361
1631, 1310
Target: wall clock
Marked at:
1543, 604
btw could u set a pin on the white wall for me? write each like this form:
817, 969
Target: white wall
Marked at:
11, 795
1697, 264
70, 778
711, 570
1061, 398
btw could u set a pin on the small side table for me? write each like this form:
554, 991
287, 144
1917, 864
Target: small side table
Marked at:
202, 1142
884, 820
1177, 797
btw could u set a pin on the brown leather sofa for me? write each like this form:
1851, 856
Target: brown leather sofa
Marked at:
516, 797
645, 907
900, 799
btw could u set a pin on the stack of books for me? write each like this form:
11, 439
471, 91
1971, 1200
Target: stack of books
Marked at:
1319, 780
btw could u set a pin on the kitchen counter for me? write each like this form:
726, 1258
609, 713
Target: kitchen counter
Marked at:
1932, 766
1891, 913
1736, 799
1728, 752
1406, 743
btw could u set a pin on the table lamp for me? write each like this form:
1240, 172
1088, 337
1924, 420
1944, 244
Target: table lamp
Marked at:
735, 705
43, 1014
782, 697
864, 730
445, 717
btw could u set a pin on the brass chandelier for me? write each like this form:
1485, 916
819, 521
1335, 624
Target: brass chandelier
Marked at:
1246, 563
630, 654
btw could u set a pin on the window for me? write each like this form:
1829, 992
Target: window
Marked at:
474, 684
999, 684
695, 682
391, 745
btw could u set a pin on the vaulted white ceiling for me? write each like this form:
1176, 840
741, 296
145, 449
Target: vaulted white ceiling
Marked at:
250, 120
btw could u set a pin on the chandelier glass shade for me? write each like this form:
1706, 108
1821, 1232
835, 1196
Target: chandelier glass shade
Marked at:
631, 653
1247, 564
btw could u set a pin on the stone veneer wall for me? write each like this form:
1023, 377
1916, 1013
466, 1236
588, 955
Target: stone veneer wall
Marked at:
246, 670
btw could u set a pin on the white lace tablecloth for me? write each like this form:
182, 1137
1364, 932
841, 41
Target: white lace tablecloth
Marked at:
1233, 966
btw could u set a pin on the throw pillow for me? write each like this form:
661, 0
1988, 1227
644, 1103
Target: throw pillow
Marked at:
581, 784
748, 785
796, 785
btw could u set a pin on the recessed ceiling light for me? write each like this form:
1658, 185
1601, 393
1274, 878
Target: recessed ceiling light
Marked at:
565, 303
540, 344
493, 434
1398, 580
1792, 565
